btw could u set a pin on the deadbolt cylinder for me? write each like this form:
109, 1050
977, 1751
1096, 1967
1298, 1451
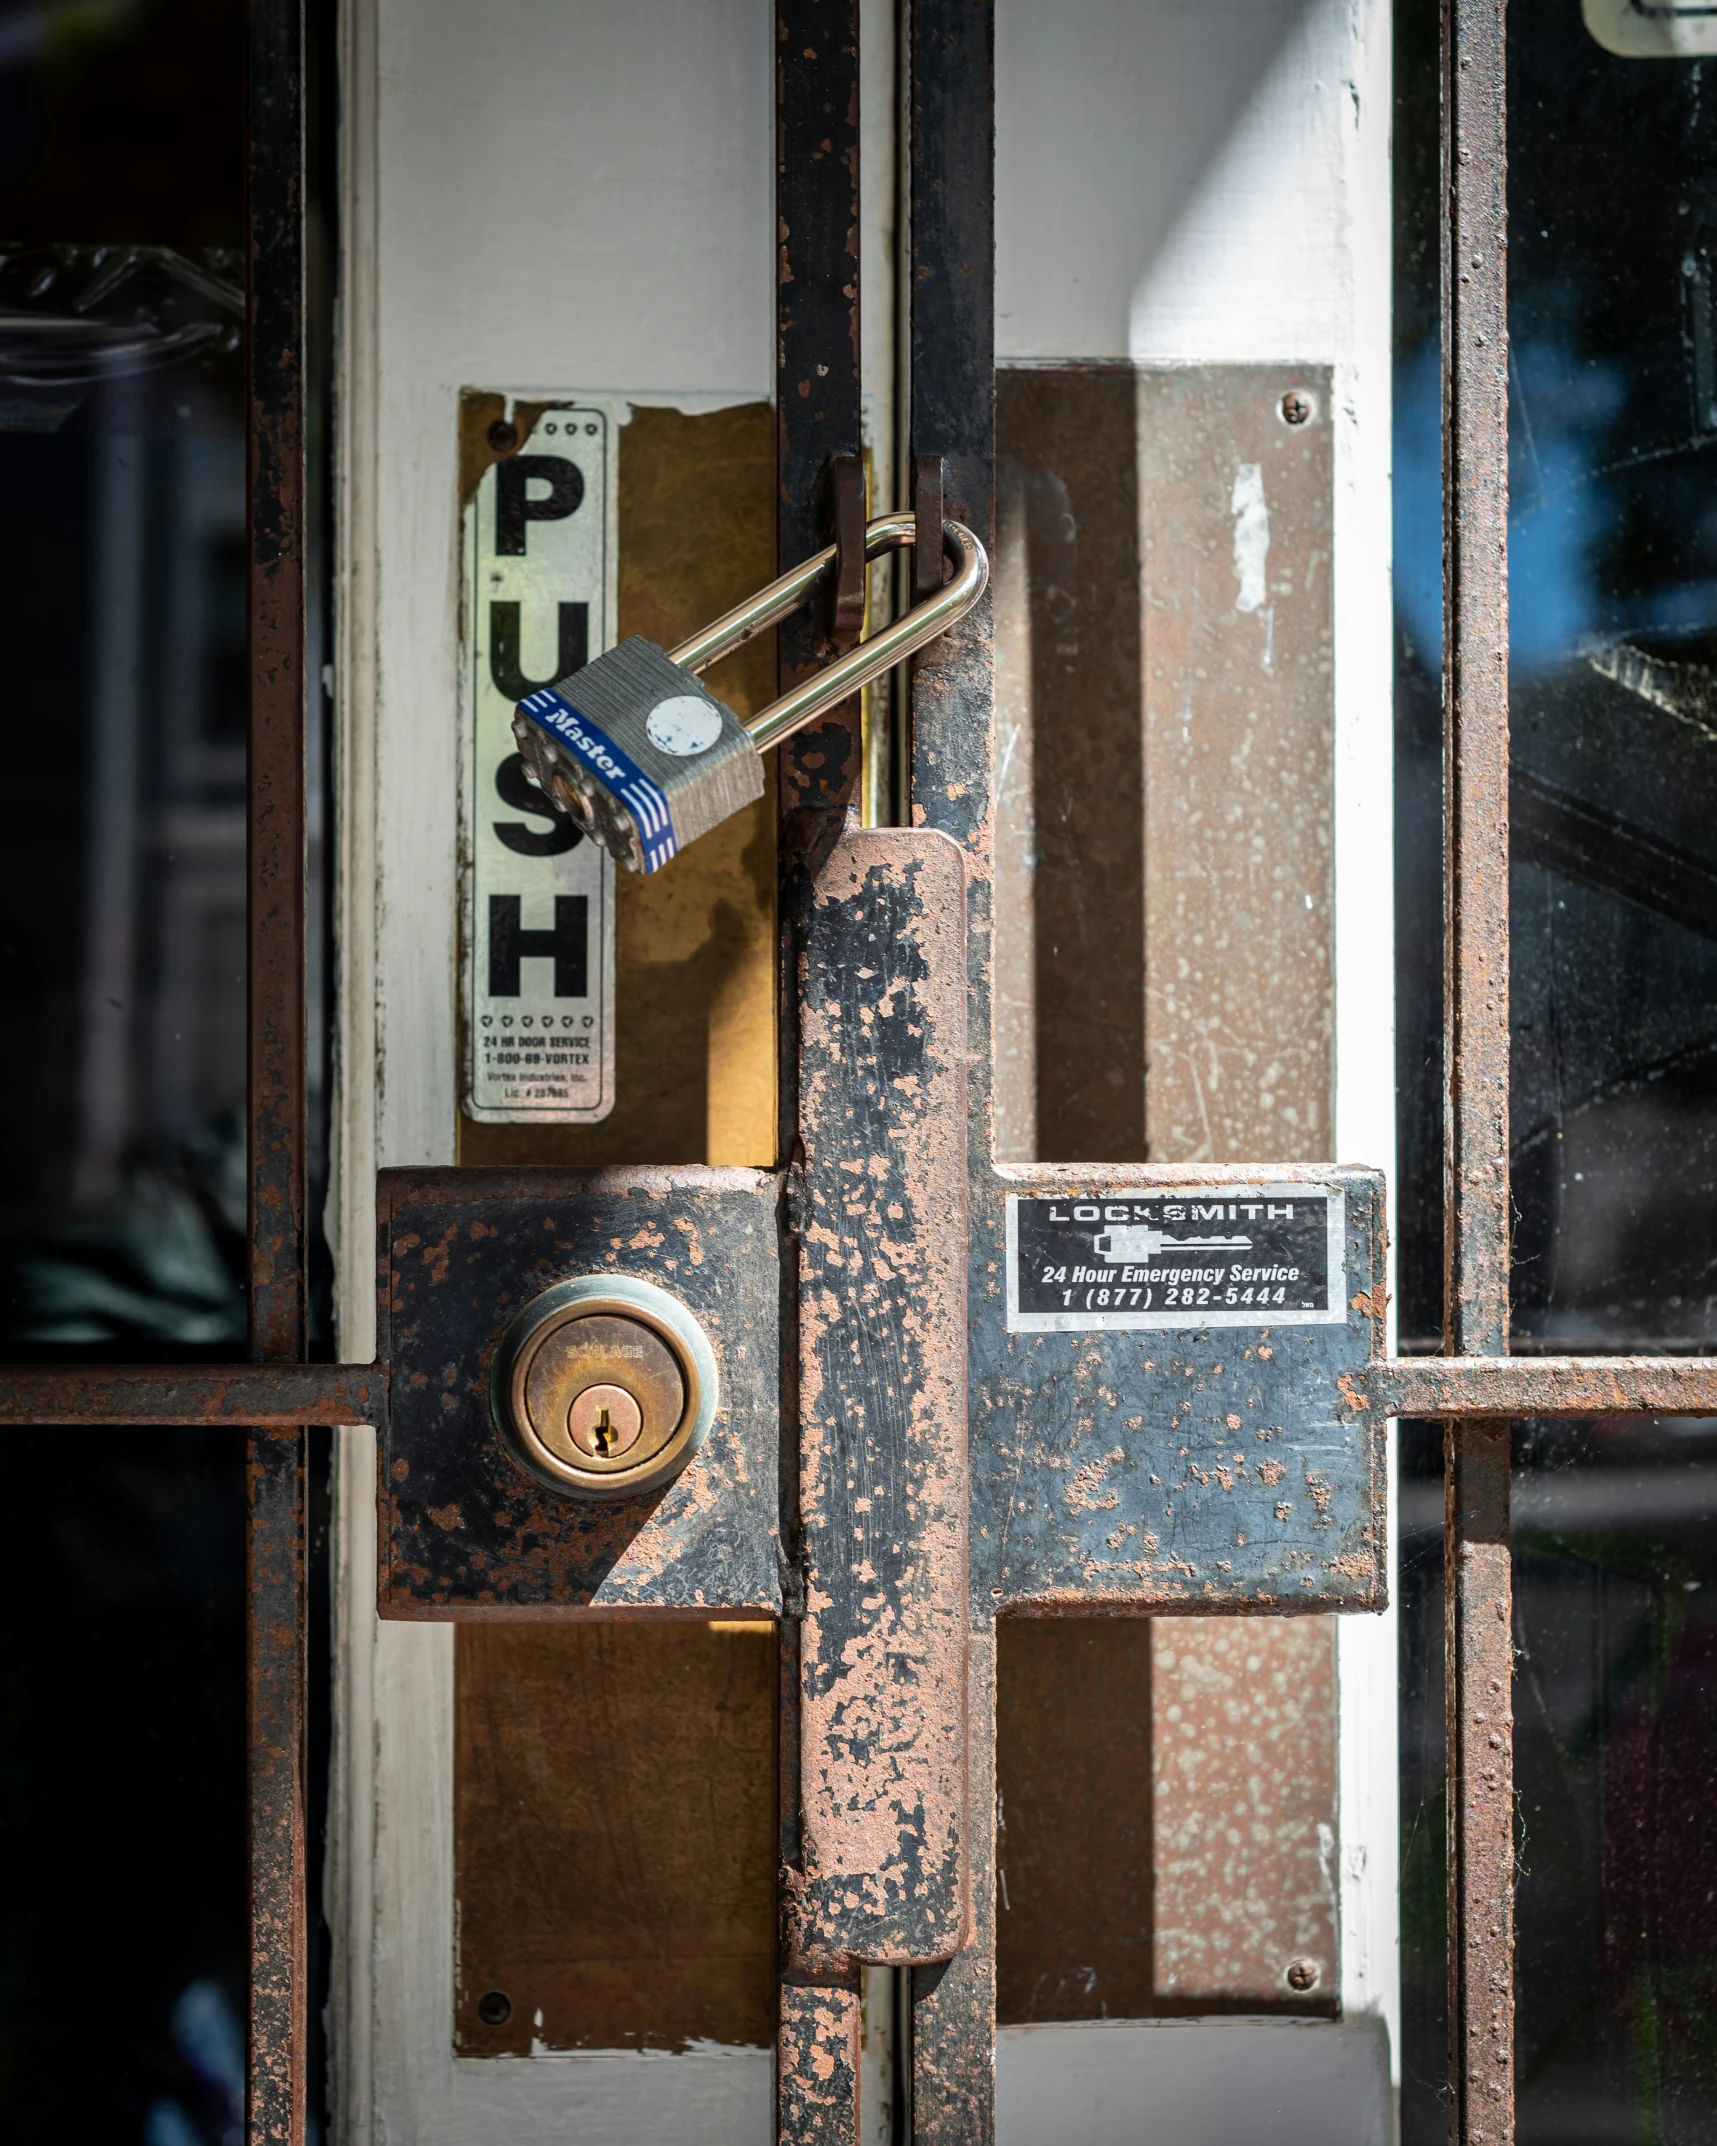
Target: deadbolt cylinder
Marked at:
604, 1387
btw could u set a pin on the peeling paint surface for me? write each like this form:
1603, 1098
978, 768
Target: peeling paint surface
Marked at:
817, 2063
882, 1403
464, 1532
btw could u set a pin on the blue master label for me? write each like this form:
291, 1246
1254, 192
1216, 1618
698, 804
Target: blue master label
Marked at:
617, 771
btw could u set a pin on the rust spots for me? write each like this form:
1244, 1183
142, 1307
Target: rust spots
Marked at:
466, 1532
882, 1481
1087, 1492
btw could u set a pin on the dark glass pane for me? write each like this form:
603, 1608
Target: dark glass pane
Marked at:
1615, 1572
123, 1921
1613, 599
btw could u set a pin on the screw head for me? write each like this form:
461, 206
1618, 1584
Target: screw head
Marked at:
1302, 1975
494, 2008
1296, 406
503, 436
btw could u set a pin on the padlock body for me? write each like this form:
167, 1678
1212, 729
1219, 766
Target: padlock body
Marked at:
638, 753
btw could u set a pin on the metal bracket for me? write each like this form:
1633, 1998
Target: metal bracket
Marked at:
465, 1532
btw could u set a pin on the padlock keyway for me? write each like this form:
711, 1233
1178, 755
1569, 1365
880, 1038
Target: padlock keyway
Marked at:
645, 759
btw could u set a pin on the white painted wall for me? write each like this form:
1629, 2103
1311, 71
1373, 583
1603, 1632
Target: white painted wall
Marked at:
536, 196
1207, 182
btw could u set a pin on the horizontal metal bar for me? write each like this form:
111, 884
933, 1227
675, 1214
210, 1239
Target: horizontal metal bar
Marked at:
284, 1395
267, 1396
1544, 1385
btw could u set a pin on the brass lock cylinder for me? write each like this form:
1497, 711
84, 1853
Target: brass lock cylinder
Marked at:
604, 1387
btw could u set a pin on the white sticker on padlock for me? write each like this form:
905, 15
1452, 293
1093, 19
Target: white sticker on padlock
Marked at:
685, 725
540, 587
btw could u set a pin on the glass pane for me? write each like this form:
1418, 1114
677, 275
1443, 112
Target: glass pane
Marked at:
122, 823
122, 1097
122, 1740
1613, 601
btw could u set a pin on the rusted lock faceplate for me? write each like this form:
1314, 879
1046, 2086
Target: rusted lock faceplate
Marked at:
1232, 1467
465, 1532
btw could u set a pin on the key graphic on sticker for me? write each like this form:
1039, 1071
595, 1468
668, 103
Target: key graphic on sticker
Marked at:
1133, 1242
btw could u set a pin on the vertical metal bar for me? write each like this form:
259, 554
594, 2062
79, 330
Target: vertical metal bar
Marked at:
275, 361
817, 2061
279, 1960
1479, 1652
950, 46
1475, 680
817, 418
276, 1564
1478, 1604
817, 347
882, 1875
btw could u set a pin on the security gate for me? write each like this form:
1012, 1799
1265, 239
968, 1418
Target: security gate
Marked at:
902, 1389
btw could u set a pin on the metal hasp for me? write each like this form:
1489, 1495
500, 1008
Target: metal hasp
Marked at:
878, 1213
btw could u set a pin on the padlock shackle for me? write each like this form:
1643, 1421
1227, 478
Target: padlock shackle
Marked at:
842, 678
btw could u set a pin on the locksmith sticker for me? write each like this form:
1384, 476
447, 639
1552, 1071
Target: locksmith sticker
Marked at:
538, 910
1189, 1257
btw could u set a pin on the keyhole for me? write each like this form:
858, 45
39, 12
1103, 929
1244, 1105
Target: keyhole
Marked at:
605, 1421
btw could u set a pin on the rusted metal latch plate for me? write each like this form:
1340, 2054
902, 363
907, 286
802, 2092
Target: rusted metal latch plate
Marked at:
1147, 1432
465, 1532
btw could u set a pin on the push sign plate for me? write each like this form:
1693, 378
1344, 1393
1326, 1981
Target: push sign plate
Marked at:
540, 579
1191, 1256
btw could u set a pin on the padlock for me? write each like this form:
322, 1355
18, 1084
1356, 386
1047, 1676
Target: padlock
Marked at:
642, 756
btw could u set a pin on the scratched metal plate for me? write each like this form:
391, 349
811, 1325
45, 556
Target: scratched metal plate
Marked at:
882, 1874
1234, 1467
464, 1532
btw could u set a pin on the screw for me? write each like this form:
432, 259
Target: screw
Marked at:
604, 1421
494, 2008
1302, 1975
1296, 406
503, 436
